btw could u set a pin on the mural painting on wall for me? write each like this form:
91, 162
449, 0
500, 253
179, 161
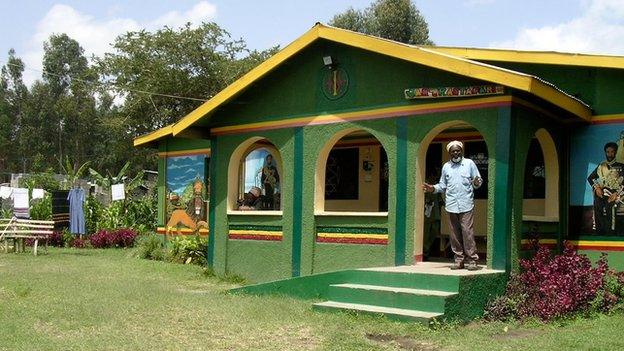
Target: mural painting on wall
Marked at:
602, 206
261, 182
187, 193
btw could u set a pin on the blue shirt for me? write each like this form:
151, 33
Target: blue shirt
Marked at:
456, 181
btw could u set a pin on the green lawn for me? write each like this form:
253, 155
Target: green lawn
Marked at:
105, 299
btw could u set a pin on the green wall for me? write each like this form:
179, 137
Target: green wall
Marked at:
292, 90
598, 87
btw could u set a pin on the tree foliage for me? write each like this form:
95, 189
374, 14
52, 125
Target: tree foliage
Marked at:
192, 64
90, 110
397, 20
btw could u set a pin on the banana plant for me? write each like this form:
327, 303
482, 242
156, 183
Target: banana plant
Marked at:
73, 172
107, 181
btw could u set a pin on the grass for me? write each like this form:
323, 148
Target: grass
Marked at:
106, 299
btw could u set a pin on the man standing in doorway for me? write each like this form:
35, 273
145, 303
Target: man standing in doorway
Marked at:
458, 180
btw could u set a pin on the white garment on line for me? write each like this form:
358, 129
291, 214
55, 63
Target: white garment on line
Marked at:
5, 192
20, 198
38, 194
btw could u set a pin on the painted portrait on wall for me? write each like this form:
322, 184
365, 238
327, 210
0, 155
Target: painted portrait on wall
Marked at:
260, 181
186, 192
597, 180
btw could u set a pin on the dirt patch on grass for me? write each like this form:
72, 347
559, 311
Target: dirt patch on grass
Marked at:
193, 291
403, 342
516, 334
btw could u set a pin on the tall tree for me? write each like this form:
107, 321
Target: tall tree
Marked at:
13, 97
164, 75
397, 20
70, 83
189, 64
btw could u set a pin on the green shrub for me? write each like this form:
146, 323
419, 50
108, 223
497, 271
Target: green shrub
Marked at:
188, 250
113, 216
140, 214
94, 211
41, 209
45, 181
151, 247
68, 238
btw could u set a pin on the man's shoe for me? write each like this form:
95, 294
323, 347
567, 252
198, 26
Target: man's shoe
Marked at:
472, 266
457, 265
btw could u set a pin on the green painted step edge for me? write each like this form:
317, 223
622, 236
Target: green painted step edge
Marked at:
427, 303
474, 293
392, 316
317, 285
306, 287
425, 281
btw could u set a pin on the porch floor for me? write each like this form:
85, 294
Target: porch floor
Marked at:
438, 268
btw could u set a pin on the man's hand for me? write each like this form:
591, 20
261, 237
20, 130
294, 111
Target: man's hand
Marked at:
477, 181
613, 197
428, 188
598, 191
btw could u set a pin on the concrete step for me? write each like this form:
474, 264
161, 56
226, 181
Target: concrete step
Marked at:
397, 290
413, 280
388, 296
393, 313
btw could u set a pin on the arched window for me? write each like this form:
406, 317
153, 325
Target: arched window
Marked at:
541, 178
258, 177
352, 174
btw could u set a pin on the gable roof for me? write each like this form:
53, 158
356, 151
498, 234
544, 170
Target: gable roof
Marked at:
420, 55
537, 57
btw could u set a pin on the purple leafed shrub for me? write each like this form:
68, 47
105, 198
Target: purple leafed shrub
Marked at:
124, 237
549, 286
56, 239
118, 238
101, 239
79, 243
556, 286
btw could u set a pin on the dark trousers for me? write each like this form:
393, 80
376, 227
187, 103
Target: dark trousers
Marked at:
462, 237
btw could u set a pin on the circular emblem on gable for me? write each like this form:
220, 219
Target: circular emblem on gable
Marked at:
335, 83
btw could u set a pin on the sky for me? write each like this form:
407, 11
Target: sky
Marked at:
583, 26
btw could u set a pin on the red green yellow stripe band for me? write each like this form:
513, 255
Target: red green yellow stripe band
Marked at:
182, 231
608, 119
352, 238
597, 245
243, 234
387, 112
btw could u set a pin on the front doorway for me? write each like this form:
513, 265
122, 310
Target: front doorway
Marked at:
435, 220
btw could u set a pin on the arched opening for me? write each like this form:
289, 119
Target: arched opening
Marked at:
255, 177
432, 221
352, 174
541, 179
540, 202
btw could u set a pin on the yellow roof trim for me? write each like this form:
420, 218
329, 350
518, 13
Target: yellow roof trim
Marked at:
155, 135
453, 64
425, 56
539, 57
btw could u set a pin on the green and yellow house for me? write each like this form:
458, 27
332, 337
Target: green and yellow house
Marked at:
313, 161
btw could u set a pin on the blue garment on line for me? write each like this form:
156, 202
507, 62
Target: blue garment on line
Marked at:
76, 199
